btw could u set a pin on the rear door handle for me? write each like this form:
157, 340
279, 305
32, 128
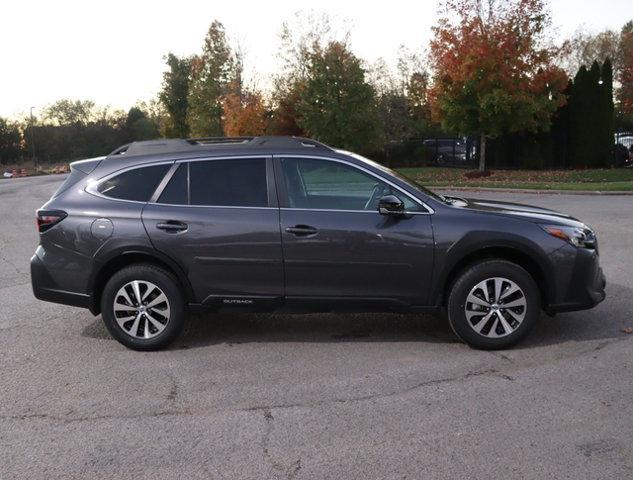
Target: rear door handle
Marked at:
172, 226
302, 230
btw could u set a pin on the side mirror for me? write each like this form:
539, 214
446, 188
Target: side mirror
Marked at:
390, 205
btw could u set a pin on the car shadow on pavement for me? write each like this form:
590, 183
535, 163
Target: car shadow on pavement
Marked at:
605, 322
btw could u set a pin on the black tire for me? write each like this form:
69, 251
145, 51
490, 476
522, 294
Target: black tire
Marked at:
162, 279
471, 277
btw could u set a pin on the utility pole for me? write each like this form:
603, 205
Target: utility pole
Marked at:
33, 142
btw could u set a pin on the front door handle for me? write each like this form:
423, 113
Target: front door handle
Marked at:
172, 226
302, 230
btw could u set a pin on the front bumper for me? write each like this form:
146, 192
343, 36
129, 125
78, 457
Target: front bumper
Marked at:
45, 288
587, 284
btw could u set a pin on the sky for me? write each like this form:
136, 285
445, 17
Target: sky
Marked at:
113, 52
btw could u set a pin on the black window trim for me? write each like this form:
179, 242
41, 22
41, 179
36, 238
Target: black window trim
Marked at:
270, 184
92, 186
282, 188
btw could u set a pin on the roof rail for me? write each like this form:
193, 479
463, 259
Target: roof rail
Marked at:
153, 146
219, 140
173, 145
286, 141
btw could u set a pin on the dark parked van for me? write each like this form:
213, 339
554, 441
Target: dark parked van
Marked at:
157, 228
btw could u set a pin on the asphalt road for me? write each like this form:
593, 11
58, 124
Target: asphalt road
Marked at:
314, 396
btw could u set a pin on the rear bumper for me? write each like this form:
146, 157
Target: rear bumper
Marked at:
587, 285
45, 288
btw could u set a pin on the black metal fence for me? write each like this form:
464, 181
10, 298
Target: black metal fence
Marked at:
623, 152
441, 151
537, 151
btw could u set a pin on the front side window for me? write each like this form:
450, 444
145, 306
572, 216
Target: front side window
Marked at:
329, 185
137, 184
234, 182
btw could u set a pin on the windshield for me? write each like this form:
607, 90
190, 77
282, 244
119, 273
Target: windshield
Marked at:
404, 178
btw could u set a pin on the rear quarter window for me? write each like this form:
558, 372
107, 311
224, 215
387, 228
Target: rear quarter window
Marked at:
137, 184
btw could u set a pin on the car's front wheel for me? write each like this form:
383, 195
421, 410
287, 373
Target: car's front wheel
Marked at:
142, 307
493, 304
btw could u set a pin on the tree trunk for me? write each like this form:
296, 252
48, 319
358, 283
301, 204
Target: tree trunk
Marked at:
482, 153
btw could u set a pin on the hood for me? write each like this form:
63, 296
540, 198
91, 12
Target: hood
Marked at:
527, 212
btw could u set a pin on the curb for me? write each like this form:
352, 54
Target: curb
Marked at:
534, 191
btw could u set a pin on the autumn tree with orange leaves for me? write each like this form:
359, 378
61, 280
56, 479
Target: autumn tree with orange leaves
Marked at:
244, 114
494, 69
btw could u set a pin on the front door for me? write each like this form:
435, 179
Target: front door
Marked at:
337, 246
220, 221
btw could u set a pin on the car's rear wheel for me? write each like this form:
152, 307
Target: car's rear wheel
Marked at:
493, 304
142, 307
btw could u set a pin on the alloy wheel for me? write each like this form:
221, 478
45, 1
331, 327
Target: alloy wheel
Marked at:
495, 307
141, 309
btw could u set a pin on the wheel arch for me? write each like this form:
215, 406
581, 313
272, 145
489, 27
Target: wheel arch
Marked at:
524, 257
125, 257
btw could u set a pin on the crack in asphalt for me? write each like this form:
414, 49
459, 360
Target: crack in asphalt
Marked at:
376, 396
12, 265
501, 356
289, 471
173, 392
91, 418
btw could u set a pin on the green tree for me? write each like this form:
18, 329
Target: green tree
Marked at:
337, 104
211, 75
401, 99
297, 40
607, 113
391, 102
580, 123
417, 102
138, 126
595, 110
591, 116
393, 111
175, 95
69, 112
10, 141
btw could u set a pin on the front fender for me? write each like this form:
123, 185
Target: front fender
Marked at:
483, 243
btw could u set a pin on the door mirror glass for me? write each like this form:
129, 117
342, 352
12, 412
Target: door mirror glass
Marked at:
390, 205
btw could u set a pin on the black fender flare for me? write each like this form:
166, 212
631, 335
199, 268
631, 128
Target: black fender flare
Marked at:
479, 242
102, 262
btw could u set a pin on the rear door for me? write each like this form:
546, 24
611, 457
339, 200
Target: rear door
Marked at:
220, 220
338, 247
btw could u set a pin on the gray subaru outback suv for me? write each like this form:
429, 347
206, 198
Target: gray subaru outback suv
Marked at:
262, 223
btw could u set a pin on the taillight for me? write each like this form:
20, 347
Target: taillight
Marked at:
47, 219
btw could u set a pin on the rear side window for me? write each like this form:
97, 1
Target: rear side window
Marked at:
137, 184
176, 190
235, 182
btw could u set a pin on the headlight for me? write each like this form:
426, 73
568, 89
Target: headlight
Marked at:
579, 237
